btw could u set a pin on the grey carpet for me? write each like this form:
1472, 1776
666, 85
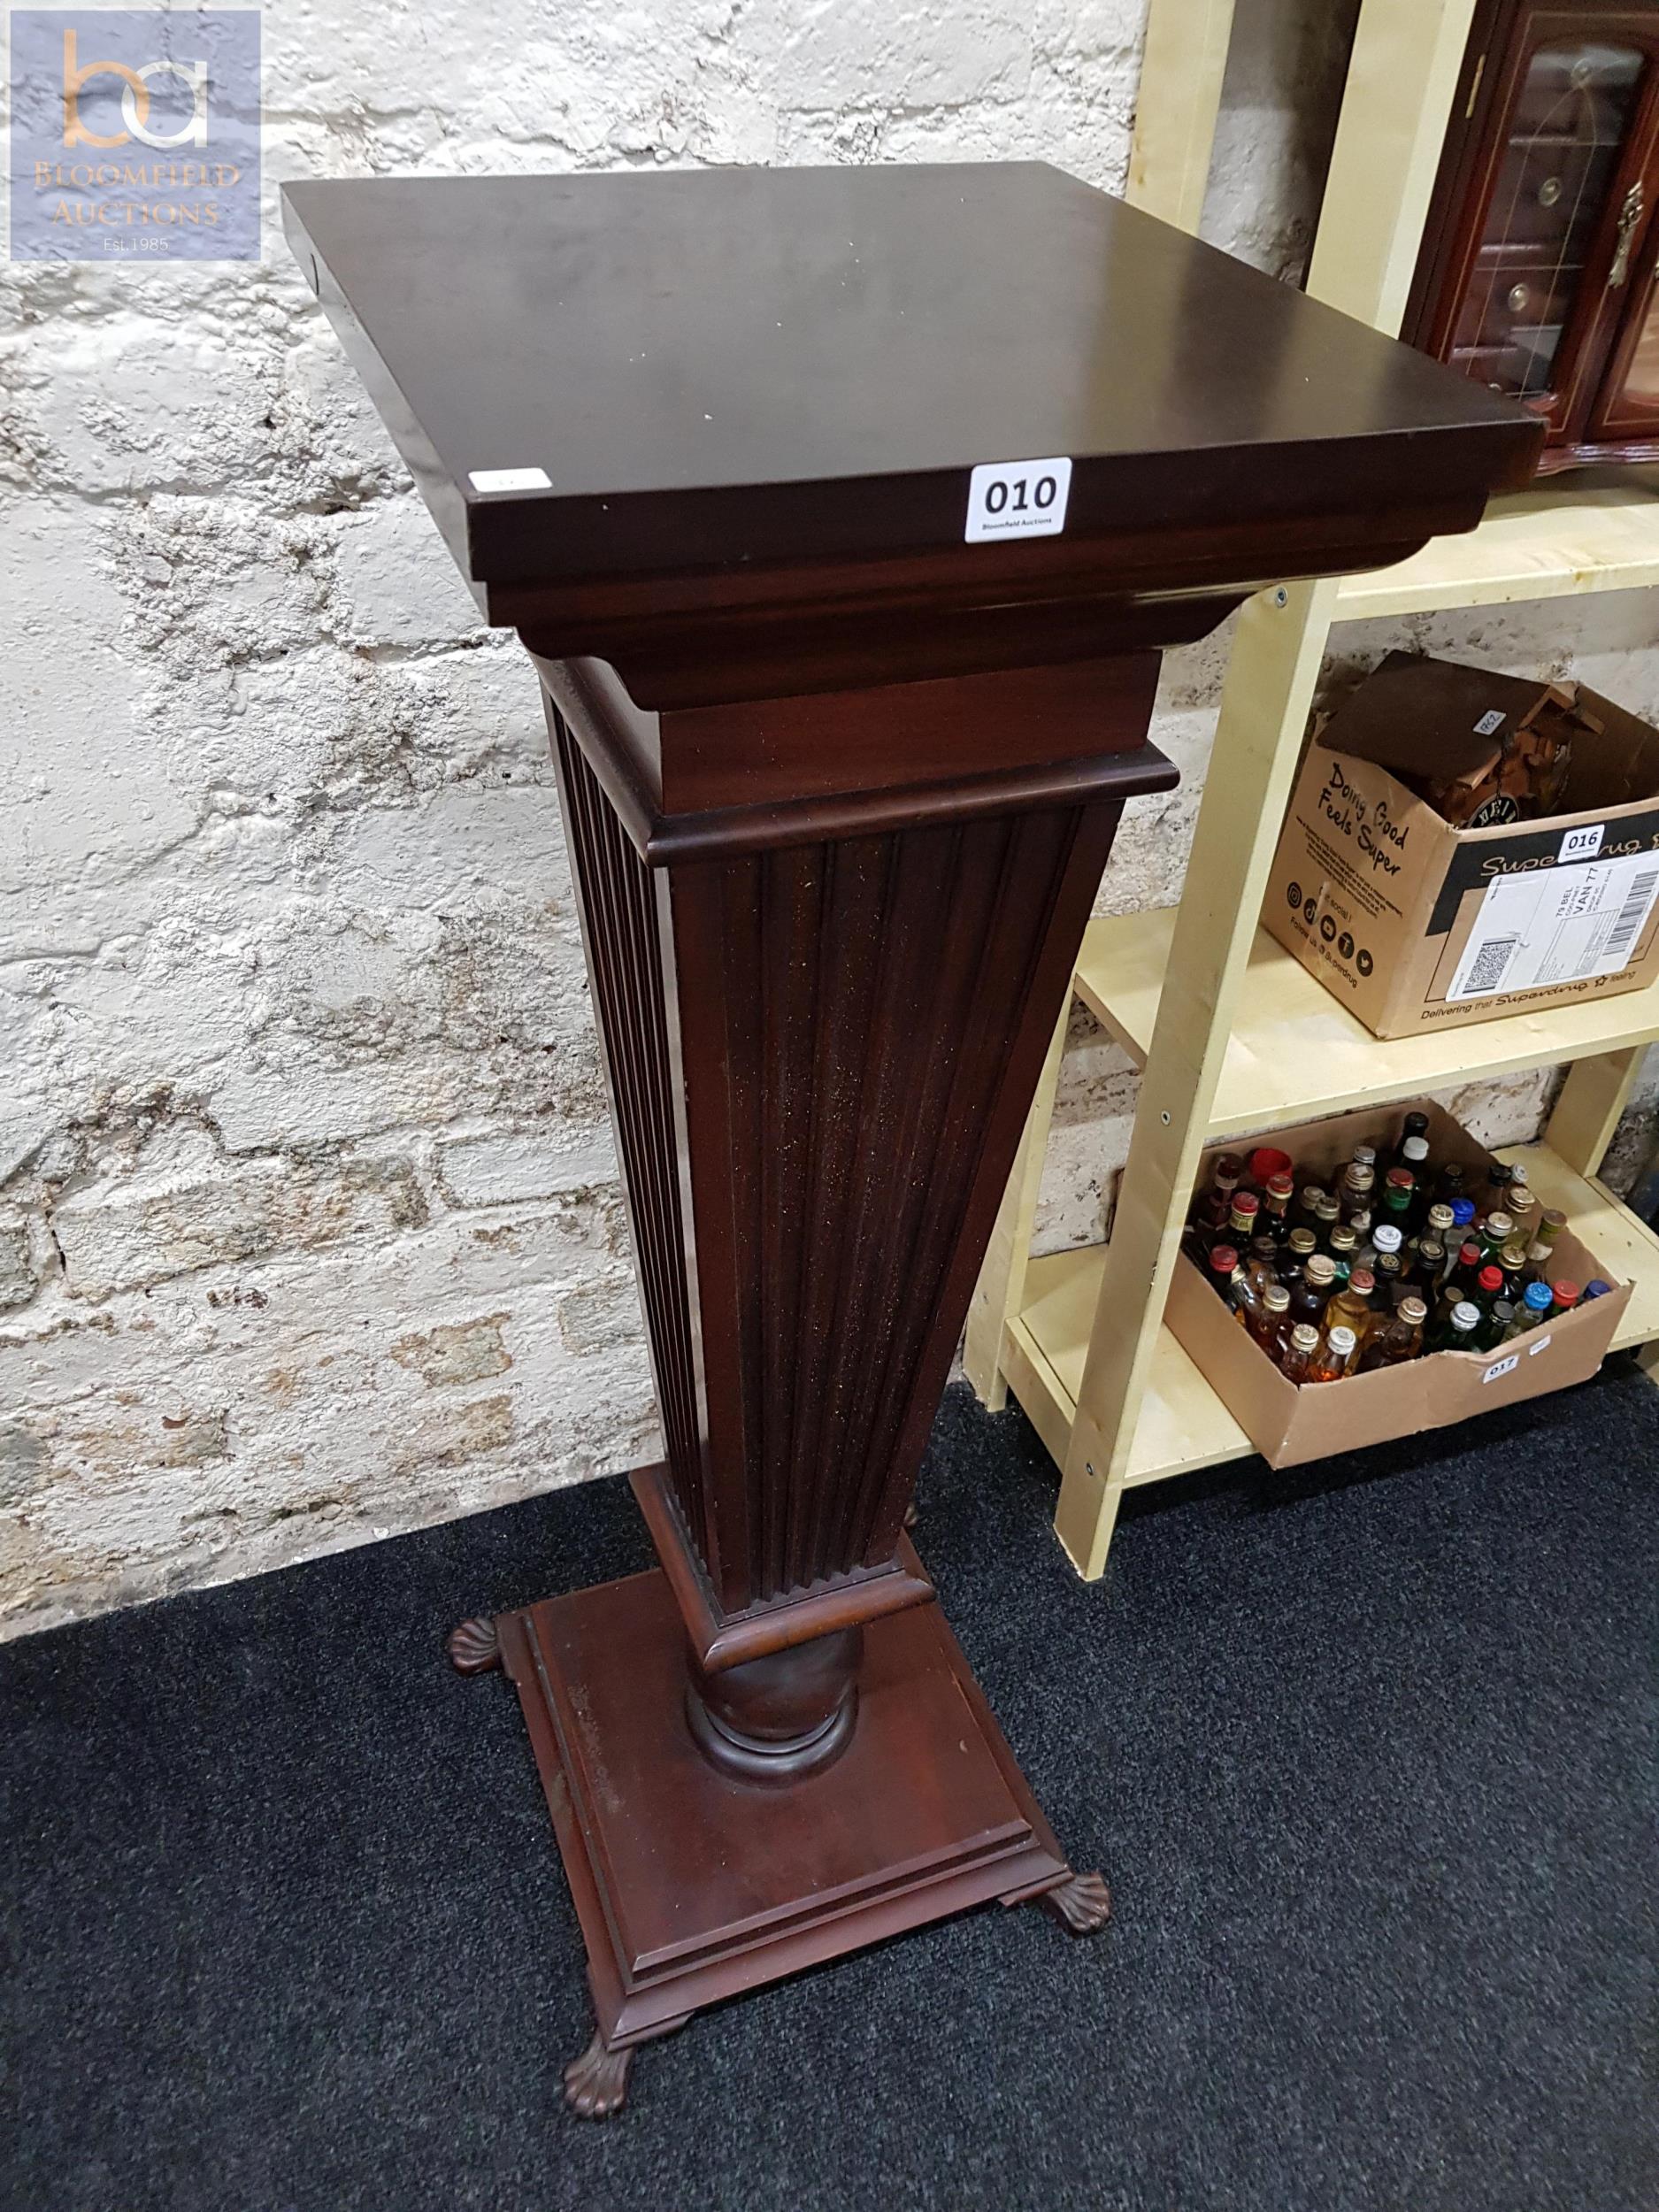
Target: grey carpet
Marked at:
1367, 1751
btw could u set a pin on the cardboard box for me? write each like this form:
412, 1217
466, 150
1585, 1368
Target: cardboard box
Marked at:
1288, 1425
1414, 924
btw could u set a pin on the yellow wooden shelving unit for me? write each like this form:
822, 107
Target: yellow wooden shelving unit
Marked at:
1231, 1033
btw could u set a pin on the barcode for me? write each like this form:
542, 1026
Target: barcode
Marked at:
1637, 900
1490, 964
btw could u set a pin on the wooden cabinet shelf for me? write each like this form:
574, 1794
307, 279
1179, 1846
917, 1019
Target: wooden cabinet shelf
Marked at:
1182, 1426
1294, 1051
1586, 536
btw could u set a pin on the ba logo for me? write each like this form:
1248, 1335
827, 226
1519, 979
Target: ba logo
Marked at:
134, 131
135, 105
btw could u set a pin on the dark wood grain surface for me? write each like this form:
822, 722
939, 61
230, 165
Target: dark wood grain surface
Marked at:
691, 1887
749, 365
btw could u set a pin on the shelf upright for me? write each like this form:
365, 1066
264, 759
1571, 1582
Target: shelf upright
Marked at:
1080, 1334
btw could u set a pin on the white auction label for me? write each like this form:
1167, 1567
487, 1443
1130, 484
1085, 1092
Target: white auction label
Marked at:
1557, 925
510, 480
1501, 1367
1542, 1344
1018, 499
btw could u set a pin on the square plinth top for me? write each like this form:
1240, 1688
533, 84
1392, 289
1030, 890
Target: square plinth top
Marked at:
605, 376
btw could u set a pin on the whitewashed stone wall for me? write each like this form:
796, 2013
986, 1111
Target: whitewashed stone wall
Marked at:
309, 1223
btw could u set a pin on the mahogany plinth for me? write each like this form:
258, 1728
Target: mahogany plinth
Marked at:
692, 1886
841, 763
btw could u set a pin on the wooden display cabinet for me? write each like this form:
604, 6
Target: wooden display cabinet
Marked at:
1537, 271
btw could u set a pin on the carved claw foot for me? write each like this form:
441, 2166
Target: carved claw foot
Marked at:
1082, 1904
472, 1647
597, 2083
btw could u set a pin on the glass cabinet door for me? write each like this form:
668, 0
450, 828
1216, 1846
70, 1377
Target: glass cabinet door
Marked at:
1562, 145
1630, 408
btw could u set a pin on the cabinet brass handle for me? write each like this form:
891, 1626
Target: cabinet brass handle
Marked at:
1629, 216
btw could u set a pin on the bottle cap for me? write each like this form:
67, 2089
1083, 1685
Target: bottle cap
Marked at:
1439, 1217
1518, 1177
1343, 1239
1385, 1237
1596, 1289
1303, 1242
1412, 1311
1276, 1298
1320, 1271
1490, 1278
1326, 1206
1223, 1259
1498, 1177
1465, 1316
1430, 1251
1565, 1293
1312, 1194
1263, 1248
1468, 1255
1513, 1255
1553, 1220
1463, 1212
1399, 1178
1266, 1163
1415, 1149
1500, 1228
1364, 1155
1538, 1296
1341, 1341
1305, 1337
1503, 1310
1229, 1168
1245, 1201
1363, 1280
1282, 1185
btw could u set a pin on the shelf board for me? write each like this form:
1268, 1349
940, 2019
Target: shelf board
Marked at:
1183, 1425
1626, 1246
1592, 535
1297, 1052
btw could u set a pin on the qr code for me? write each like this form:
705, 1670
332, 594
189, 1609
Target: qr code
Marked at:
1491, 965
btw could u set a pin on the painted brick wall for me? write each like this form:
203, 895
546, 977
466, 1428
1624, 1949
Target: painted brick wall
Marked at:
309, 1222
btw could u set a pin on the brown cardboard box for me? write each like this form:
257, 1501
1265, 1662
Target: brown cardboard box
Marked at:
1414, 924
1289, 1425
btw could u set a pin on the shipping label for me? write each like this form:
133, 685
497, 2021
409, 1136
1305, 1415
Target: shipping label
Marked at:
1558, 926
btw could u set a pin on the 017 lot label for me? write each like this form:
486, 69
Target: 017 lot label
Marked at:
1018, 499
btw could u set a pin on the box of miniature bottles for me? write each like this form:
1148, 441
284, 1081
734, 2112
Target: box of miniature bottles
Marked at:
1375, 1273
